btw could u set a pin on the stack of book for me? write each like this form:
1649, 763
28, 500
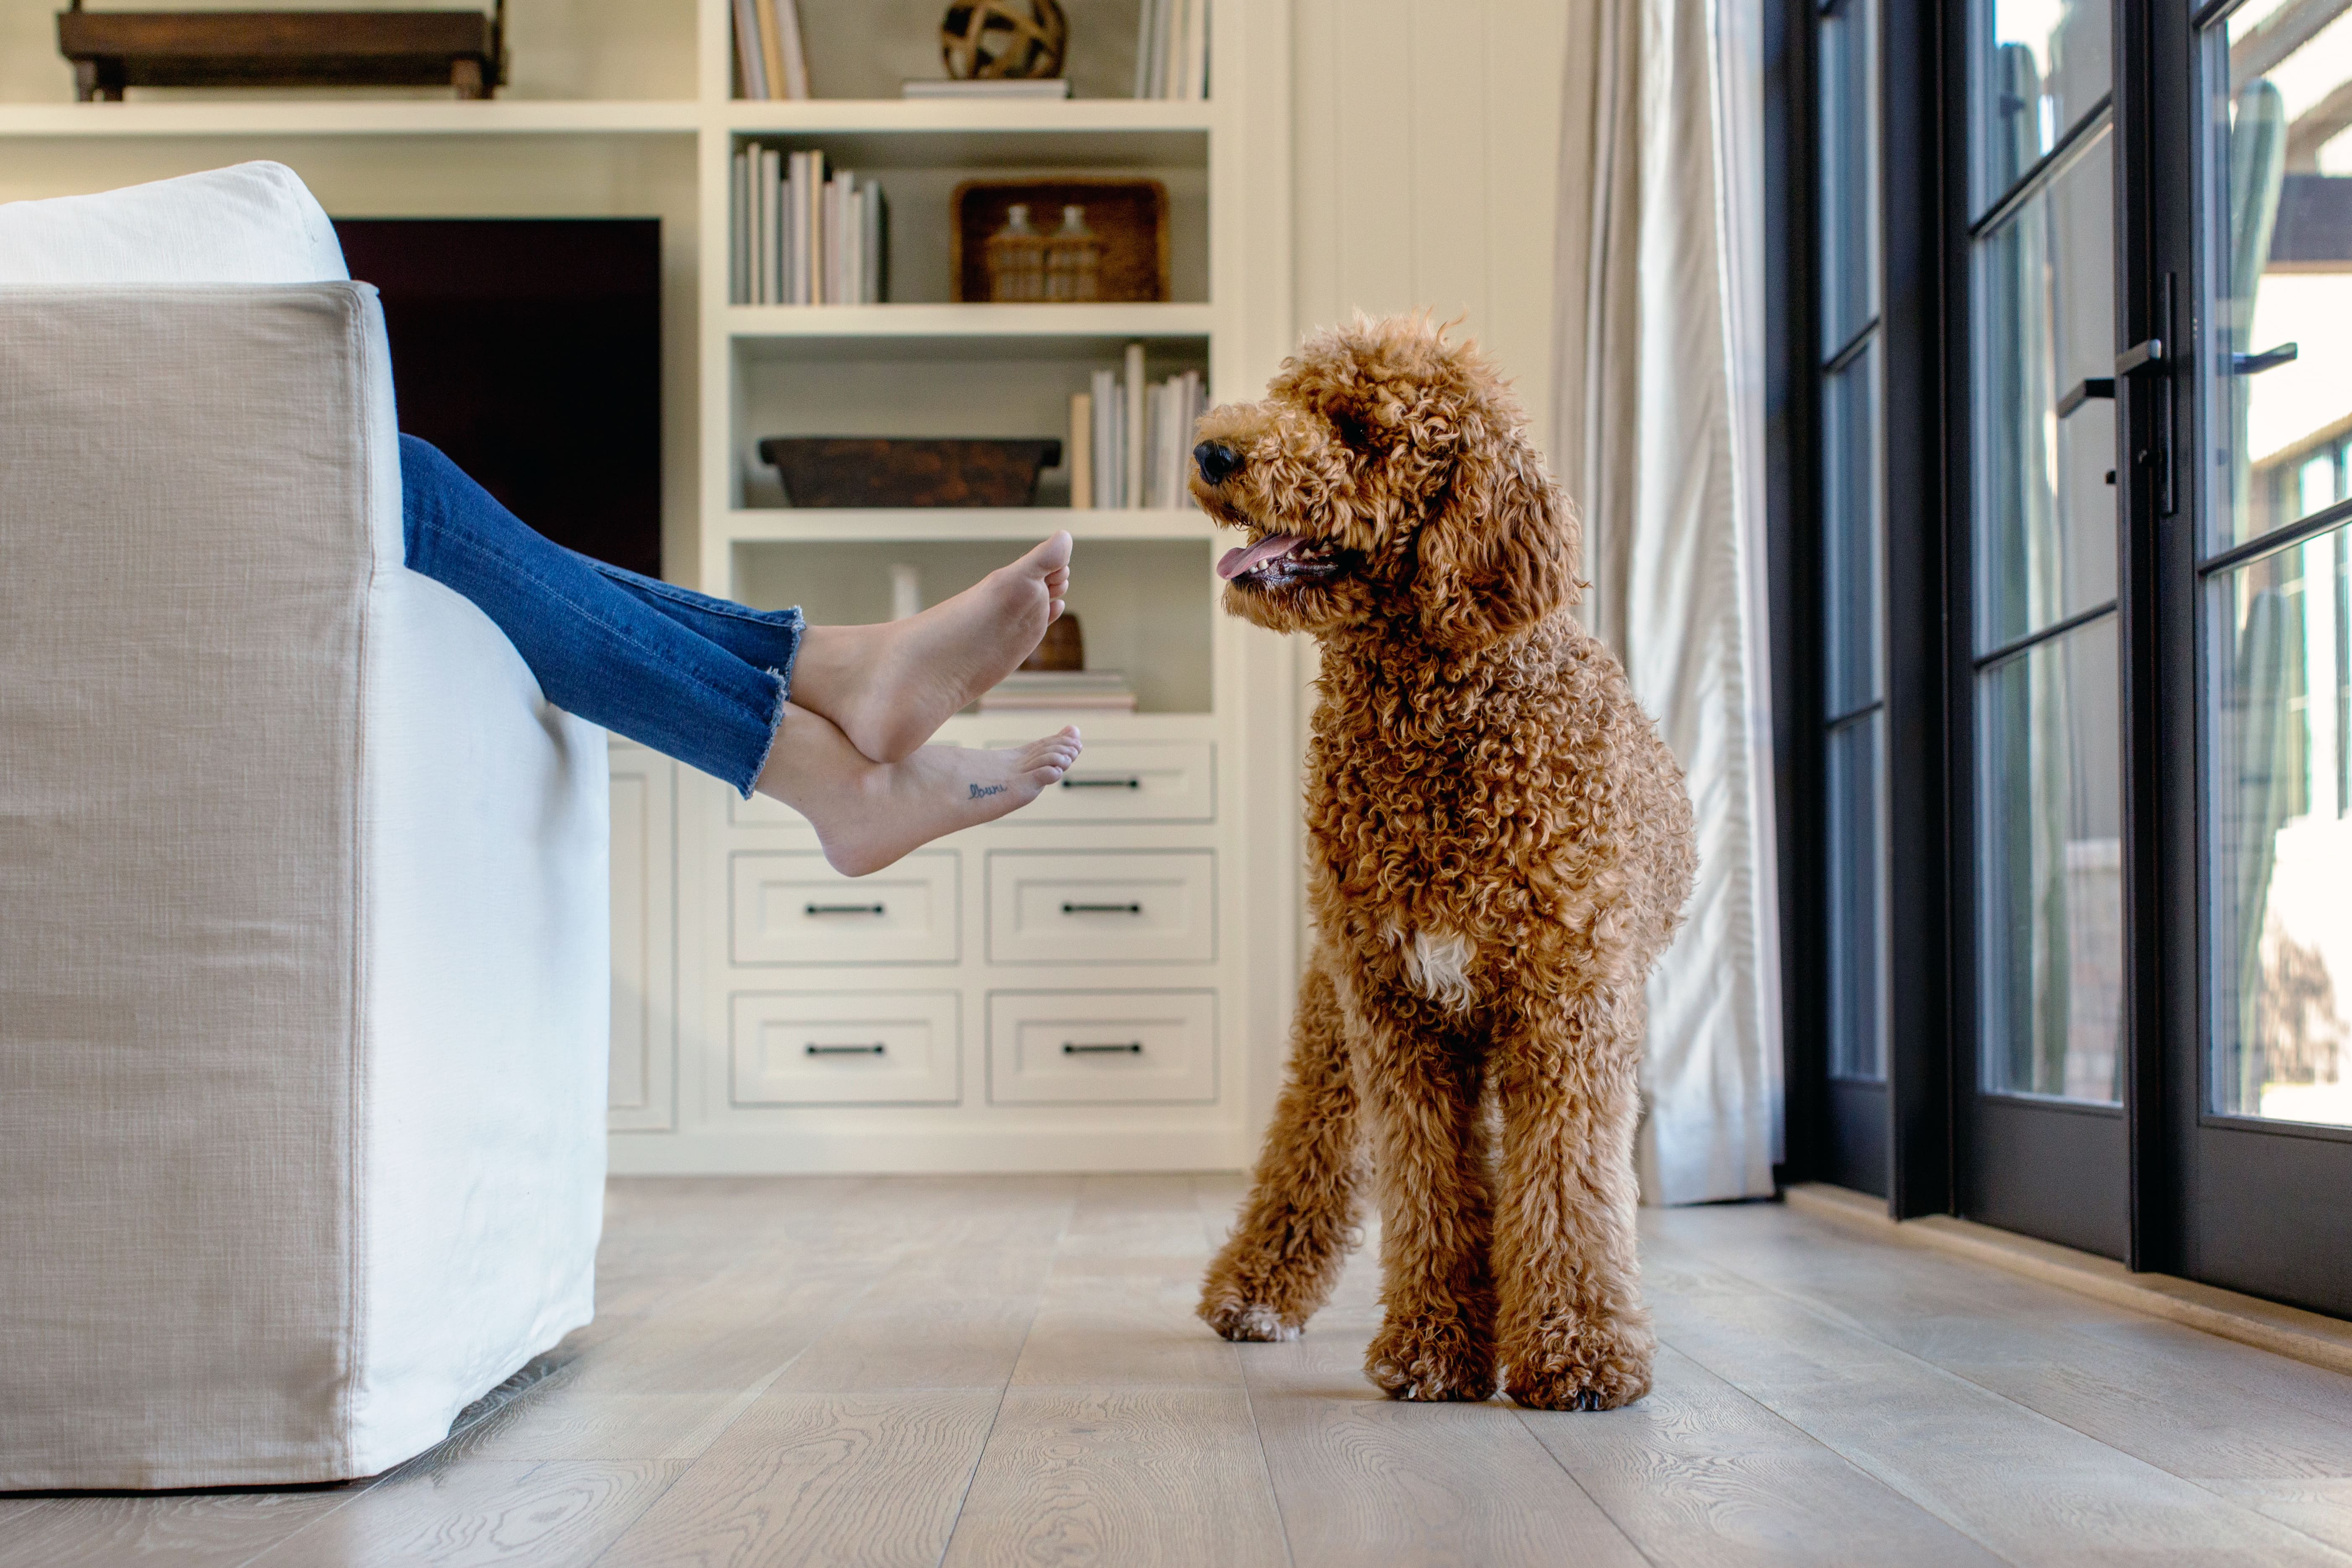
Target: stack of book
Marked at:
769, 60
799, 238
1041, 690
1172, 49
994, 87
1131, 442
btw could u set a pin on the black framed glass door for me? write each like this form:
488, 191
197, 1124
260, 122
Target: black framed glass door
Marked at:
2256, 633
2072, 363
2044, 1145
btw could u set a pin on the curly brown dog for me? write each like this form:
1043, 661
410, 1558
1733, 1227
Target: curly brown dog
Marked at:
1501, 849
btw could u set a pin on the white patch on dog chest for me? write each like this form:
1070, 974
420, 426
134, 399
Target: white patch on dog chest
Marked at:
1437, 965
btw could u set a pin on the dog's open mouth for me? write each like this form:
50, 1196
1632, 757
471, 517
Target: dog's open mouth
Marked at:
1280, 560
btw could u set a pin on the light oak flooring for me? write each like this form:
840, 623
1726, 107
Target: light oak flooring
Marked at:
1006, 1371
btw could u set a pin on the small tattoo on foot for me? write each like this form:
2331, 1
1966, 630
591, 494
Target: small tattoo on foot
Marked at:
980, 790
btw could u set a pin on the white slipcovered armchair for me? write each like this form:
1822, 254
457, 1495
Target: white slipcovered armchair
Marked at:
303, 902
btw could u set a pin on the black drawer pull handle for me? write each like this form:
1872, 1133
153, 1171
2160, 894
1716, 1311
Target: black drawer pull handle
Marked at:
875, 1050
1072, 1048
1102, 909
1102, 784
841, 909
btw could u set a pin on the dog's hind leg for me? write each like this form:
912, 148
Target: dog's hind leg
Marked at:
1429, 1140
1573, 1333
1295, 1230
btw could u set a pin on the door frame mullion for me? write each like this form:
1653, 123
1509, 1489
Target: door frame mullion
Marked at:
1922, 56
2155, 269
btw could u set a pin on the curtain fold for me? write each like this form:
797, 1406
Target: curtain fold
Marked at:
1659, 403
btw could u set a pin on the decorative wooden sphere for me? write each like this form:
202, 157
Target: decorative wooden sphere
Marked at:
1004, 38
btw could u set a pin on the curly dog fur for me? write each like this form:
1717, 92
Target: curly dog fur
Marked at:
1501, 847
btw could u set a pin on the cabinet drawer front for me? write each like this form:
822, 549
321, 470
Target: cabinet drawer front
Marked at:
845, 1047
792, 908
1102, 1047
762, 811
1107, 907
1129, 780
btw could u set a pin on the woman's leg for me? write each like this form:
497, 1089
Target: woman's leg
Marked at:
601, 650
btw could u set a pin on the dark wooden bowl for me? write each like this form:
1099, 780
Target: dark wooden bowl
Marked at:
882, 471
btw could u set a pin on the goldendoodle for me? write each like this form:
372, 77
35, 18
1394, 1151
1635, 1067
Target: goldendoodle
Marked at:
1501, 849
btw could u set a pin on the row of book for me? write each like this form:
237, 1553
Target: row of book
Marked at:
1172, 49
769, 59
1051, 691
1131, 440
800, 238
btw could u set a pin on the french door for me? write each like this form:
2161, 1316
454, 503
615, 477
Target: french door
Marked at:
2078, 712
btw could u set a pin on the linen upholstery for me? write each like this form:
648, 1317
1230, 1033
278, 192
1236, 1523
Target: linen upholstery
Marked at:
305, 986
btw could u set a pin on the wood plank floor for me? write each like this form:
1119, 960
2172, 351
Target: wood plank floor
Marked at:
983, 1372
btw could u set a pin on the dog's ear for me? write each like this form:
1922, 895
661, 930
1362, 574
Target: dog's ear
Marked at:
1500, 551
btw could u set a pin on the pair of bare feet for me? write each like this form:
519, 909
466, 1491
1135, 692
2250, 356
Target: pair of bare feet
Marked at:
849, 754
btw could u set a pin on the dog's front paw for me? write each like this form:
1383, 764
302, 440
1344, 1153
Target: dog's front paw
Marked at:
1586, 1366
1248, 1321
1431, 1359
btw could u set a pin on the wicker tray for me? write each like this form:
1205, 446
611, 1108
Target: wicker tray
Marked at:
1129, 216
891, 471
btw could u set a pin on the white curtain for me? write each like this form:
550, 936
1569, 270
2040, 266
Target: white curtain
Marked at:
1660, 403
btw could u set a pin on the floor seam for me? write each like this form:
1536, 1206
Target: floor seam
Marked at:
1005, 1392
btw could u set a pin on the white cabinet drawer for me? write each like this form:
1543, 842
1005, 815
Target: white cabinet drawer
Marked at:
1102, 1047
792, 908
1129, 780
762, 811
845, 1047
1105, 908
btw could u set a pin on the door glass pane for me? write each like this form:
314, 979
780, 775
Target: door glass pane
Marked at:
1850, 533
2042, 286
1849, 196
1857, 895
2278, 270
2280, 849
2050, 860
2036, 68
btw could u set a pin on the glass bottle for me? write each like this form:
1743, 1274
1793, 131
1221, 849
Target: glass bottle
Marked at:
1072, 258
1016, 259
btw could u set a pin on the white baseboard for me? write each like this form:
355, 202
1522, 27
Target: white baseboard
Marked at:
942, 1153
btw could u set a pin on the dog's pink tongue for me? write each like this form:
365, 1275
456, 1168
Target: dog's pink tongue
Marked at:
1238, 561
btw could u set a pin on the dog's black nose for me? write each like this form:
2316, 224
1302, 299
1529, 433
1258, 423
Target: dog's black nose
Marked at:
1217, 461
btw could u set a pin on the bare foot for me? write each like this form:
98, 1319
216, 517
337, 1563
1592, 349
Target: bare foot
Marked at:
890, 687
868, 813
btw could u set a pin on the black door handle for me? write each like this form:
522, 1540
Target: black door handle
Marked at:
1102, 784
875, 1050
2082, 391
1072, 1048
841, 909
1102, 909
2269, 358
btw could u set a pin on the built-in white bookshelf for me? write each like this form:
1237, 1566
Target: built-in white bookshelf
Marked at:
627, 108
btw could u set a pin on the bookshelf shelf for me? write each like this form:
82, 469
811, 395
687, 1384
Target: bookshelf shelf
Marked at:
918, 117
1121, 323
423, 116
829, 525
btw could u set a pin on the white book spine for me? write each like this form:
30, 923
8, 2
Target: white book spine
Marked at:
1196, 50
1133, 488
1149, 32
1082, 454
788, 36
871, 214
753, 69
771, 163
737, 187
852, 239
812, 231
1172, 48
1107, 468
1155, 415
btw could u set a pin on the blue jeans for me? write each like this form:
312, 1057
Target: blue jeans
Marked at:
694, 678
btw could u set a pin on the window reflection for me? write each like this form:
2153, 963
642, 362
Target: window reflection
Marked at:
2280, 847
2050, 858
2279, 267
2039, 68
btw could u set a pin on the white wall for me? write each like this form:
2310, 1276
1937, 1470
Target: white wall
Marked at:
1425, 158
